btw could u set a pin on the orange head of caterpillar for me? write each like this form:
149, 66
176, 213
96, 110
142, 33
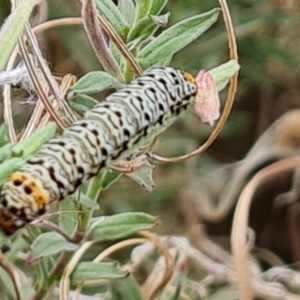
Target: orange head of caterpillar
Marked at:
190, 78
22, 199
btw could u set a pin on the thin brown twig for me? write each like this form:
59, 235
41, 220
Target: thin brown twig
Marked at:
230, 98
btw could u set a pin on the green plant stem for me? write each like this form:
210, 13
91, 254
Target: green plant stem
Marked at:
93, 191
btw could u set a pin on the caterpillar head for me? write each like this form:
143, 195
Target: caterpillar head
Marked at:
22, 200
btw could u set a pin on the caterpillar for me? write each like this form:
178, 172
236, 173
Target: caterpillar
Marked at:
124, 121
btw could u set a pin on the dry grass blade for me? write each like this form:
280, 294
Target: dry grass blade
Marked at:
41, 88
53, 86
239, 242
37, 84
230, 98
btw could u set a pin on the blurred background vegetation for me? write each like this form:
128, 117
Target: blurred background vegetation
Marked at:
269, 53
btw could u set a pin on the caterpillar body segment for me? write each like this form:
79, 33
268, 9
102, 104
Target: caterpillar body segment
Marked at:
114, 128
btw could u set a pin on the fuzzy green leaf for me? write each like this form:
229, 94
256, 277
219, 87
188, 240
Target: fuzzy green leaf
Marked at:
126, 288
5, 151
13, 27
95, 271
95, 81
147, 26
160, 50
158, 6
32, 144
114, 16
50, 243
120, 225
110, 178
3, 135
82, 103
9, 167
68, 216
143, 8
224, 72
127, 9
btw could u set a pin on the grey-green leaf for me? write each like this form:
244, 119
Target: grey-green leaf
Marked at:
127, 9
82, 103
147, 26
143, 8
114, 16
88, 202
95, 81
5, 151
68, 216
161, 20
158, 6
13, 28
32, 144
50, 243
126, 288
175, 38
3, 135
143, 176
95, 271
121, 225
9, 166
224, 72
110, 178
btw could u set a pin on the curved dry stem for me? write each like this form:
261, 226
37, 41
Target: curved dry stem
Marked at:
153, 238
230, 98
240, 222
106, 253
56, 23
64, 284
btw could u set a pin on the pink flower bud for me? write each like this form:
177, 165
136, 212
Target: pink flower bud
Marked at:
207, 104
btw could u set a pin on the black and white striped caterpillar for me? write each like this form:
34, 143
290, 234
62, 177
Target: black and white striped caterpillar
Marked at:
127, 119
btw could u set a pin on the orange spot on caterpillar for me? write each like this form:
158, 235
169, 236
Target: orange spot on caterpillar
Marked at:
190, 78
